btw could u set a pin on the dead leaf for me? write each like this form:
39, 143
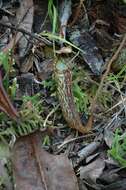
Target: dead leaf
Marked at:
117, 185
82, 185
108, 137
36, 169
26, 84
110, 176
91, 54
92, 171
42, 21
44, 69
24, 20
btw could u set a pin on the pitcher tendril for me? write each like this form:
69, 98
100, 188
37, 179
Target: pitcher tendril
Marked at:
63, 78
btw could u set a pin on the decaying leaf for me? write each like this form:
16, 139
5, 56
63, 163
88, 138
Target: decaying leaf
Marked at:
26, 84
42, 21
92, 171
117, 185
91, 53
36, 169
24, 19
108, 137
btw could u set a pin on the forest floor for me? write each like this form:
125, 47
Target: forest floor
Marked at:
63, 95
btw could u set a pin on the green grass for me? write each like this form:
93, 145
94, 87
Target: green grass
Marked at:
4, 61
118, 149
53, 14
81, 98
52, 36
7, 62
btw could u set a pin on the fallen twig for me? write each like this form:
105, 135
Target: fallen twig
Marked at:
118, 104
32, 35
74, 139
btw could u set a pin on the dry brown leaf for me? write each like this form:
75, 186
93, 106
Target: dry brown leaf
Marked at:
24, 20
108, 137
36, 169
24, 17
92, 171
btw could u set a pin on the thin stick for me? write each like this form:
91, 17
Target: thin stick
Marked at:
75, 139
114, 57
119, 103
32, 35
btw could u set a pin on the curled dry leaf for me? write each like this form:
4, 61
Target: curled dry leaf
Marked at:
34, 168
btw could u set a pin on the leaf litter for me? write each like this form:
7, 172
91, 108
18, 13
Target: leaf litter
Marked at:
35, 168
91, 35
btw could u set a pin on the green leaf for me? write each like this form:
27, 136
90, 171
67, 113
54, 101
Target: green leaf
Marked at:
118, 149
4, 60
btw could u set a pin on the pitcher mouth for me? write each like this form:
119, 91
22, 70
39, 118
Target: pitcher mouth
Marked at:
5, 103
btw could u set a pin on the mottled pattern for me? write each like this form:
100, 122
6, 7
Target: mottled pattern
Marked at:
63, 78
